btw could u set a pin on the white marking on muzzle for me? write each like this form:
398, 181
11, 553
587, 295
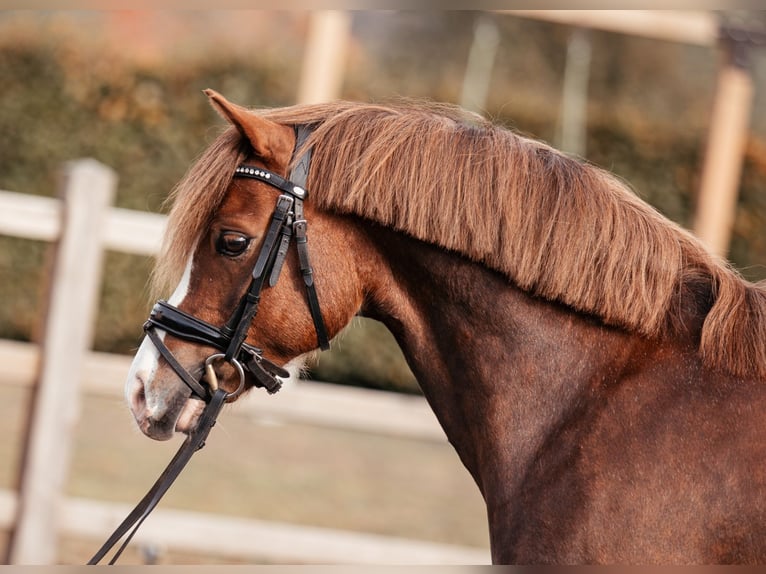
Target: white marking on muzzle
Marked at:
145, 363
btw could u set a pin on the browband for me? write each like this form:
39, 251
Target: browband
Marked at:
273, 179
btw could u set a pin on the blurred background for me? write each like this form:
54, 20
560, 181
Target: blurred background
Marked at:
124, 88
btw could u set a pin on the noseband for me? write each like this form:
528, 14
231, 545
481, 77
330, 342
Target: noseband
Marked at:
287, 221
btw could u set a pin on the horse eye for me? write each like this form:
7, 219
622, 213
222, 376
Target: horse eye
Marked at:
231, 243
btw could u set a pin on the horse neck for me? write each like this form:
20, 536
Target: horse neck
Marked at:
501, 370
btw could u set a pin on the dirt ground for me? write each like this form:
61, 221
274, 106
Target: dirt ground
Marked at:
281, 472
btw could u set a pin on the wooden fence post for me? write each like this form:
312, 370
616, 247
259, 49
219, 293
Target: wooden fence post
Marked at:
324, 59
726, 143
87, 190
573, 122
481, 60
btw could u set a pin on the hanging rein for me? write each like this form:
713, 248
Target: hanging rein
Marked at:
287, 221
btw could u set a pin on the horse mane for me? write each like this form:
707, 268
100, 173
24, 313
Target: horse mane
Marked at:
556, 227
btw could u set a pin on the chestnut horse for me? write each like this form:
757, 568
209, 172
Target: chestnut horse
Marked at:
600, 374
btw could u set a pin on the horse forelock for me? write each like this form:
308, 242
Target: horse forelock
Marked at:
558, 228
194, 201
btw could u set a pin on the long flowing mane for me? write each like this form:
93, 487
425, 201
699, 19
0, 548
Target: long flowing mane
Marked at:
558, 228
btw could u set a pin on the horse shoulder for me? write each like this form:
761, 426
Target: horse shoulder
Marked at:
664, 465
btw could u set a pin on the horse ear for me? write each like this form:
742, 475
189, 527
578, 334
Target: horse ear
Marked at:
270, 140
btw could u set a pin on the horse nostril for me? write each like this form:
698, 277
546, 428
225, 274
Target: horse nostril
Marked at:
141, 378
138, 393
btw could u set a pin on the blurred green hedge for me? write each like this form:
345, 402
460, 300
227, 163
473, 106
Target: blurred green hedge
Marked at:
58, 104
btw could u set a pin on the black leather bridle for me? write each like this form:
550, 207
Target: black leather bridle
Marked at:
287, 221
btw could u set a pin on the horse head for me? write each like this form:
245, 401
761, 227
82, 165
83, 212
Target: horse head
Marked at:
233, 243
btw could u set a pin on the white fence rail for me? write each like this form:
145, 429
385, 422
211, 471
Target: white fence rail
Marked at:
309, 402
256, 541
35, 217
39, 513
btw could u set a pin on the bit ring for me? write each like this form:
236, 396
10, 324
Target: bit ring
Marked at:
212, 379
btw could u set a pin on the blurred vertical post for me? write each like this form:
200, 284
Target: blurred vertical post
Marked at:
87, 190
481, 60
574, 99
324, 59
724, 156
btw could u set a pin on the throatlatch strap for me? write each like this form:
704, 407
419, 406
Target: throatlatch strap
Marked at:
301, 241
299, 176
193, 442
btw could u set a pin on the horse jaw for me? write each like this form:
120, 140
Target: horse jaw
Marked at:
157, 407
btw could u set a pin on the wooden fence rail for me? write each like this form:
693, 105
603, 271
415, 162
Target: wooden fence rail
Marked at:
306, 402
82, 224
35, 217
250, 540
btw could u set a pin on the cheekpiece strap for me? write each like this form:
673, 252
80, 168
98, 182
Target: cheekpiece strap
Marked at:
288, 224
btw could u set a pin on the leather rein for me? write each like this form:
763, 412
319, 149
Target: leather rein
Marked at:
287, 221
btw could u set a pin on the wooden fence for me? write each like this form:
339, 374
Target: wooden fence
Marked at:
83, 225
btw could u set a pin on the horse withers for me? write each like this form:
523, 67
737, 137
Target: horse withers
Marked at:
600, 374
